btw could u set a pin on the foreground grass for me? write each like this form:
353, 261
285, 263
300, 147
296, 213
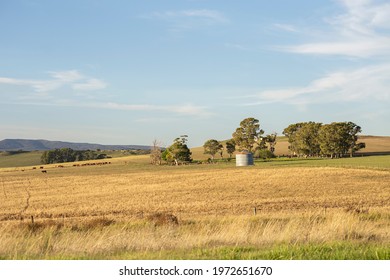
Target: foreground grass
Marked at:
329, 251
320, 235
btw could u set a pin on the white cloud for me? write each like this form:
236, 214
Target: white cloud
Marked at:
203, 14
356, 47
362, 31
59, 79
44, 93
183, 109
364, 84
179, 109
90, 84
67, 76
362, 16
37, 85
184, 20
286, 27
4, 80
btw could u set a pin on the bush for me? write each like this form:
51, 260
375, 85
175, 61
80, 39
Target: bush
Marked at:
264, 154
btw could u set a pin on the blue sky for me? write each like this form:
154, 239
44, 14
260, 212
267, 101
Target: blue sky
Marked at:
128, 72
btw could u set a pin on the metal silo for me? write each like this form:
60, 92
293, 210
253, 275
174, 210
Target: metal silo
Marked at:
244, 159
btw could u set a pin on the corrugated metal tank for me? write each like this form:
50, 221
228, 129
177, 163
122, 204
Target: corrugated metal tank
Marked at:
244, 159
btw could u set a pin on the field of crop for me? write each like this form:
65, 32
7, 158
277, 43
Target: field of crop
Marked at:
282, 209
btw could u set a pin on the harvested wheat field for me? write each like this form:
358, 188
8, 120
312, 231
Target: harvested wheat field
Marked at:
136, 211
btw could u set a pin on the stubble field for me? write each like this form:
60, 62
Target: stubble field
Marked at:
271, 210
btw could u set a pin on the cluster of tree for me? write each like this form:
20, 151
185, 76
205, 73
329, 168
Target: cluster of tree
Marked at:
307, 139
248, 137
69, 155
178, 152
10, 153
314, 139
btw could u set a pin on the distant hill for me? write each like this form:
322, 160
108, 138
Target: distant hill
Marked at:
42, 145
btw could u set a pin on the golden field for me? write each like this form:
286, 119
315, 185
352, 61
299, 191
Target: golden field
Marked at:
102, 211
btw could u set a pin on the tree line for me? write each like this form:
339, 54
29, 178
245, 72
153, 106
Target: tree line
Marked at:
334, 140
69, 155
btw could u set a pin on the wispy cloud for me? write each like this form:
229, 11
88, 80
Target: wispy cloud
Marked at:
355, 47
90, 84
177, 109
204, 15
189, 19
72, 78
286, 27
69, 89
181, 109
364, 84
361, 31
67, 76
210, 15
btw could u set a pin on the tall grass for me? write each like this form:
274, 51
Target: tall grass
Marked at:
315, 235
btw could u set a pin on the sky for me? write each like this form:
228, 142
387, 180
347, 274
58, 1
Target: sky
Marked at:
129, 72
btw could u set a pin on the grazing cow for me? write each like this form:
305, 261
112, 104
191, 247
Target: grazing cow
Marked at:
44, 171
41, 167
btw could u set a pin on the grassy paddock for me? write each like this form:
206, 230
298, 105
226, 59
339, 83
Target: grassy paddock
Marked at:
20, 159
304, 210
362, 162
316, 235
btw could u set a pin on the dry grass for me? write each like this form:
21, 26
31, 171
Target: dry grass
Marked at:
107, 239
376, 144
189, 193
103, 210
